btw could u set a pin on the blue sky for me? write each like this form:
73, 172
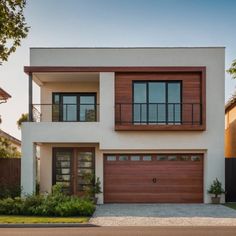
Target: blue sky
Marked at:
78, 23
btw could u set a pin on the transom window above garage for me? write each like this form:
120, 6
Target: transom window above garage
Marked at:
153, 157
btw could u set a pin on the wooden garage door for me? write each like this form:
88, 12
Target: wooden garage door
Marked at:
153, 178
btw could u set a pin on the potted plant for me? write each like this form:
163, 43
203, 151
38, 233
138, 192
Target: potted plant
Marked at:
93, 188
216, 190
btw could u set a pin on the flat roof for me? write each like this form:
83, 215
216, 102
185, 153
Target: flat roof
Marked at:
204, 47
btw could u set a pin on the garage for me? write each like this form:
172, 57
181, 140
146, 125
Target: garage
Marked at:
153, 178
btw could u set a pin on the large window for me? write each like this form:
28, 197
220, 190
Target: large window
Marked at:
74, 107
156, 102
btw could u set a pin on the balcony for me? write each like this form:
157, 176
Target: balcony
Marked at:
65, 112
158, 116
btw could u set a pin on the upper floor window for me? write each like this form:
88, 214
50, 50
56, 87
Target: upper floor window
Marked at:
74, 107
157, 102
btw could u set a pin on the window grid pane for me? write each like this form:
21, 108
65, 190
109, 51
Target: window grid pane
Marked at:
157, 102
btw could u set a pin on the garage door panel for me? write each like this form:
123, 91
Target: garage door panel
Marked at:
158, 176
134, 188
137, 169
132, 181
152, 198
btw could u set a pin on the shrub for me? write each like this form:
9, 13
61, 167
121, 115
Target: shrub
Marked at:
30, 204
54, 204
75, 206
11, 206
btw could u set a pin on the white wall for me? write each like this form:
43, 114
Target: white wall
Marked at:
210, 141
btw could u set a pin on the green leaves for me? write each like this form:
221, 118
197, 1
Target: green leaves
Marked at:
7, 150
13, 27
23, 118
232, 69
216, 188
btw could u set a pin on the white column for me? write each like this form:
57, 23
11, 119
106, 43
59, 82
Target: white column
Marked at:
99, 172
214, 167
28, 164
107, 99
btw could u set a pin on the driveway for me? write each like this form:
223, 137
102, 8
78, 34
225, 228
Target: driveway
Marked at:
163, 215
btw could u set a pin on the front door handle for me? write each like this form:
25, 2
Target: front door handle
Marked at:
154, 180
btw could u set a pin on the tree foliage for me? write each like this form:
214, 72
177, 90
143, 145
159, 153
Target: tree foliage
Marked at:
13, 27
23, 118
7, 150
232, 69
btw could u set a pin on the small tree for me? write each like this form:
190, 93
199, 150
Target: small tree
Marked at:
216, 188
232, 69
7, 150
23, 118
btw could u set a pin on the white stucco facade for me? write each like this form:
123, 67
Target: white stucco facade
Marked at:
101, 134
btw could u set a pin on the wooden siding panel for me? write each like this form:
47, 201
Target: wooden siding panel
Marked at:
193, 91
10, 171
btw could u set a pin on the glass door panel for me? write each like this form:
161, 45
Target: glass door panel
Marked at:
140, 103
69, 108
63, 167
85, 170
174, 103
157, 102
87, 108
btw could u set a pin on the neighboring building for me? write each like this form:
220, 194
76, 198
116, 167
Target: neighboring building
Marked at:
14, 141
148, 121
4, 96
230, 128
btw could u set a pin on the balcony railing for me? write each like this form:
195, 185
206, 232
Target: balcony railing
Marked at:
65, 112
158, 114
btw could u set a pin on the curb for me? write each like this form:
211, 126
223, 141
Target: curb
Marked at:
49, 225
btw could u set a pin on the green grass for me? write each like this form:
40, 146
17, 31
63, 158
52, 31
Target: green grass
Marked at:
231, 205
4, 219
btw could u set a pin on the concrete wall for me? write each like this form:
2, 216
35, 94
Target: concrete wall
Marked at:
210, 142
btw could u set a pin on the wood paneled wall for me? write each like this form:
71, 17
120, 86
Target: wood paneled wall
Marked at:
193, 92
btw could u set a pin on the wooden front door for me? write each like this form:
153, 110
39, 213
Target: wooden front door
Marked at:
153, 178
70, 165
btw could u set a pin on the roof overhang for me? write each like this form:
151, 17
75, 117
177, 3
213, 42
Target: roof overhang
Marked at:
43, 69
4, 95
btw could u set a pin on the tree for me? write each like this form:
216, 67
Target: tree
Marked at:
232, 69
23, 118
7, 150
13, 27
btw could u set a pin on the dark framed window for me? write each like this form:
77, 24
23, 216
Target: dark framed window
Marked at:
157, 102
74, 107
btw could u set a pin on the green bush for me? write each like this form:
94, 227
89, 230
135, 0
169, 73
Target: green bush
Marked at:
75, 206
11, 206
54, 204
30, 204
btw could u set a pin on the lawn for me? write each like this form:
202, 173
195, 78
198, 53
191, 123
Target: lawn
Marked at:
231, 205
34, 219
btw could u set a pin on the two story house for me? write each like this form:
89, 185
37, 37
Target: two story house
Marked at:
149, 122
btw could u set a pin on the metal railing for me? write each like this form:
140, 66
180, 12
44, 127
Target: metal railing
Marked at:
158, 113
65, 112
